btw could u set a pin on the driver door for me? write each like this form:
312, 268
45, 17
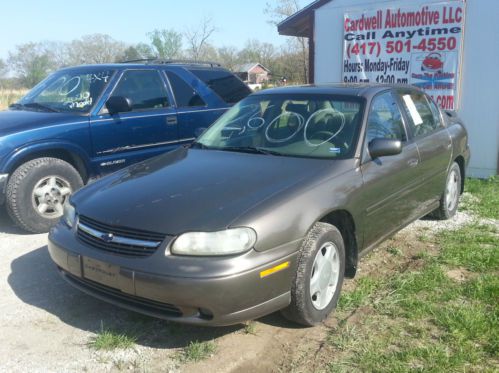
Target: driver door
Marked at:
390, 181
149, 129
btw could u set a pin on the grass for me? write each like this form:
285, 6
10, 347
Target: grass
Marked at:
196, 351
487, 195
8, 96
366, 286
424, 318
109, 340
250, 327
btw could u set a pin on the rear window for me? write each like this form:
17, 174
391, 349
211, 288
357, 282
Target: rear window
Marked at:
223, 83
185, 95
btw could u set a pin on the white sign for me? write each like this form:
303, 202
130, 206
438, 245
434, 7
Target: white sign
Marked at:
418, 45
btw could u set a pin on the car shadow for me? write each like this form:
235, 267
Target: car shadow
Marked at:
35, 280
7, 225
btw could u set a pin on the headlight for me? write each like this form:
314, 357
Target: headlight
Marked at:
229, 241
69, 215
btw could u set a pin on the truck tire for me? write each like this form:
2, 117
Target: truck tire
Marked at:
319, 276
37, 190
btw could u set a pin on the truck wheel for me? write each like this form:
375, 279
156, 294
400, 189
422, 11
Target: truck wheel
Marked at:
37, 190
450, 197
317, 284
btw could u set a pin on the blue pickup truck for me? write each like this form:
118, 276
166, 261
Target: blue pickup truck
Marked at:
87, 121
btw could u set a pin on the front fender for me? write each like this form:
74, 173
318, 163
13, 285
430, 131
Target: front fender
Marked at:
49, 147
289, 216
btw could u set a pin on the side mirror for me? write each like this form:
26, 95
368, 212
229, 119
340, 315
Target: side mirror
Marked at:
118, 104
199, 131
380, 147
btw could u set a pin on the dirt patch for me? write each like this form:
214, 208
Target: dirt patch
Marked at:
460, 274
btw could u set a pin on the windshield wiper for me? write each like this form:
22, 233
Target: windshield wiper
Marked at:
251, 149
199, 145
16, 106
36, 105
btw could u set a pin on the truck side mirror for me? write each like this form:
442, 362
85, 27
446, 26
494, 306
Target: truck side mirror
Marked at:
118, 104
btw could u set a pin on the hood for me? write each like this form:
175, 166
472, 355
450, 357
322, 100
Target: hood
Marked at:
191, 189
12, 121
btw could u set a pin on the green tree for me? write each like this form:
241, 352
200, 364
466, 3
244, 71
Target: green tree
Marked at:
3, 68
256, 51
167, 43
3, 72
298, 46
32, 62
137, 52
228, 57
95, 48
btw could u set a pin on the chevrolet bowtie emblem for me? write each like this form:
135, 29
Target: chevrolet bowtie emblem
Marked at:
108, 237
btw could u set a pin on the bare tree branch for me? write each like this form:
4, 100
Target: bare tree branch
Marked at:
198, 38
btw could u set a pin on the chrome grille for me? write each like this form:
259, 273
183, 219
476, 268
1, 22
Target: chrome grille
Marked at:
118, 240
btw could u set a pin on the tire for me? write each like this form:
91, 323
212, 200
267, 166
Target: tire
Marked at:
450, 197
53, 180
322, 239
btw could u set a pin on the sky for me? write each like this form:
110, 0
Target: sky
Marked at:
23, 21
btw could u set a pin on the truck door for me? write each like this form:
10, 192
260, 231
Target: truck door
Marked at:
150, 128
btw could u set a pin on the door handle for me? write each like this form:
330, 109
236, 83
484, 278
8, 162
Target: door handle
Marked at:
413, 162
171, 120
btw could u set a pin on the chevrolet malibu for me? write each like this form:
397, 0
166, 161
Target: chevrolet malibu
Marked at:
270, 209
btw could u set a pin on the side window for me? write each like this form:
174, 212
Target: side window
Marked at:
421, 118
223, 83
185, 95
384, 119
144, 88
436, 112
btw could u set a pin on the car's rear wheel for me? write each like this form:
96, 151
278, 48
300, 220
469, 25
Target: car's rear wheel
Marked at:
319, 277
37, 191
450, 197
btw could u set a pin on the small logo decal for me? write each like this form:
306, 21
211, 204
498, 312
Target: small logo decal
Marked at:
108, 237
112, 163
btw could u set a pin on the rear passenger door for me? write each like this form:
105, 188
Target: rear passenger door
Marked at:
195, 109
147, 130
433, 141
390, 181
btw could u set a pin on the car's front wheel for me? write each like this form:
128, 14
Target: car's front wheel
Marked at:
37, 190
319, 277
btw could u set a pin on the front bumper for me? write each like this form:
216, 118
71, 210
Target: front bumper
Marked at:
214, 299
3, 187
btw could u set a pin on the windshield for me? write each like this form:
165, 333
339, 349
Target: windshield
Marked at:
316, 126
69, 91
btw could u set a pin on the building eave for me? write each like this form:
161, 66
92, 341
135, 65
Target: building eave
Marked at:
299, 24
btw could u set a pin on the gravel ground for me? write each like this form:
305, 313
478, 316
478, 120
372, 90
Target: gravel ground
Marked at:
45, 324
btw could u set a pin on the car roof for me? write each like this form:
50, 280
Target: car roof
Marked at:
138, 65
365, 90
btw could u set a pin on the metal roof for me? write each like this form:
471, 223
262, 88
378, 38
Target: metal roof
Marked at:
248, 66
